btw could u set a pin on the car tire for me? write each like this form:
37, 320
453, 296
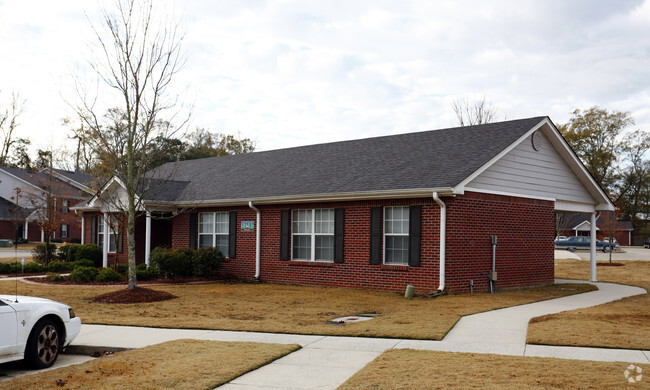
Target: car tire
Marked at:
571, 249
43, 345
606, 249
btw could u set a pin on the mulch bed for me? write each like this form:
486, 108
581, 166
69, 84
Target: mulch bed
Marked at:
134, 295
610, 264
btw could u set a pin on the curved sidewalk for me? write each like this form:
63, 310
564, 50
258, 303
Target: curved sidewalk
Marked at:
325, 362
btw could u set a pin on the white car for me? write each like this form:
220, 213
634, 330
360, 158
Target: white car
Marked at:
35, 329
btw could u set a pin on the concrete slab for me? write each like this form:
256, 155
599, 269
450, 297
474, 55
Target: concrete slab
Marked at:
355, 343
595, 354
17, 369
130, 336
259, 337
329, 358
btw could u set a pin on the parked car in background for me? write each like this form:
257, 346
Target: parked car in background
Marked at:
646, 243
560, 238
580, 242
35, 329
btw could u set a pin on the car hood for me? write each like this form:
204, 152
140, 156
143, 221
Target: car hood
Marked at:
11, 299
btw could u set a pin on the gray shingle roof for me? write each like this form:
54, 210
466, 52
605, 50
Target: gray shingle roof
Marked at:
41, 180
9, 211
79, 177
428, 159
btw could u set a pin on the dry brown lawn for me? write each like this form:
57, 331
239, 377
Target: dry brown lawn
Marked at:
180, 364
288, 309
621, 324
410, 369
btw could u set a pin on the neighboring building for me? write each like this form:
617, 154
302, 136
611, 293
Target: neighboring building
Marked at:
378, 213
22, 204
580, 225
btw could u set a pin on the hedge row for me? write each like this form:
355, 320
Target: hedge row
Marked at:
35, 268
173, 263
44, 253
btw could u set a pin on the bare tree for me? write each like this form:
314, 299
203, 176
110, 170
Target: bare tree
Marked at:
8, 123
139, 55
476, 112
562, 220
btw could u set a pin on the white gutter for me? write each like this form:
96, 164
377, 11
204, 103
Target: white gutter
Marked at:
443, 238
258, 239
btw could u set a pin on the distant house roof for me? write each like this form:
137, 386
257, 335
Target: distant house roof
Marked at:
41, 180
582, 221
10, 211
77, 179
403, 165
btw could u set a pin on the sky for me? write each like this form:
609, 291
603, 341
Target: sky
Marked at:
289, 73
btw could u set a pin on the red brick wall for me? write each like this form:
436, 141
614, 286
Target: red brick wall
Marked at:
525, 229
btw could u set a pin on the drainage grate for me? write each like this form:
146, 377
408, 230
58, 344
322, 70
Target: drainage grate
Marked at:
352, 319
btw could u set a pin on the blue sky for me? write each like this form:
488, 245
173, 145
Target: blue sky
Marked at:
288, 73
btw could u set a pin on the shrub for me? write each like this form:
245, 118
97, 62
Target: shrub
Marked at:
54, 277
68, 252
31, 268
22, 240
123, 269
59, 266
92, 252
56, 240
109, 275
83, 274
206, 261
83, 263
44, 253
5, 268
75, 240
145, 274
171, 263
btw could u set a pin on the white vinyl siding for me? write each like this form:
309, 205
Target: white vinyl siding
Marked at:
313, 235
213, 231
396, 235
540, 173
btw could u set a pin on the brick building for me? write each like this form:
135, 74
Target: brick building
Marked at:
23, 197
378, 213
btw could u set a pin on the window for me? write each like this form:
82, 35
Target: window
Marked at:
64, 230
65, 207
396, 235
213, 231
313, 235
100, 235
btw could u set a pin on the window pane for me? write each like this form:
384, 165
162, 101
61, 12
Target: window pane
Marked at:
222, 223
206, 222
324, 247
397, 220
302, 221
205, 240
302, 247
111, 242
397, 249
100, 225
222, 244
324, 221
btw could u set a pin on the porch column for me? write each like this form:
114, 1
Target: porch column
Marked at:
147, 239
26, 230
592, 241
83, 229
42, 235
106, 239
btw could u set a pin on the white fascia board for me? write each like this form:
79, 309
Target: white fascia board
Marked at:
95, 203
504, 193
350, 196
73, 183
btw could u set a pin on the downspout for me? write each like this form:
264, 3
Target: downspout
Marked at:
443, 238
258, 239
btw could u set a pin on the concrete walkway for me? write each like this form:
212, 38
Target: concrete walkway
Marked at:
325, 362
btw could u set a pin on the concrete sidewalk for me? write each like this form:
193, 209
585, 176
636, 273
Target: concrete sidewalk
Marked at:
325, 362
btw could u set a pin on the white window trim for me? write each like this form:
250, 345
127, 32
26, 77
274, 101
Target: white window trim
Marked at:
65, 205
312, 235
384, 260
65, 233
214, 228
100, 231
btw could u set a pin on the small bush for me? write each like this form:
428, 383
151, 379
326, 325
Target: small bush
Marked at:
92, 252
123, 269
75, 240
145, 274
54, 277
171, 263
60, 266
83, 274
57, 240
83, 263
32, 268
68, 252
206, 261
22, 240
44, 253
109, 275
5, 268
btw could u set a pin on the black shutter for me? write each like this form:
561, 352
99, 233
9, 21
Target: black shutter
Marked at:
284, 235
415, 235
339, 226
232, 235
194, 224
375, 235
93, 229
